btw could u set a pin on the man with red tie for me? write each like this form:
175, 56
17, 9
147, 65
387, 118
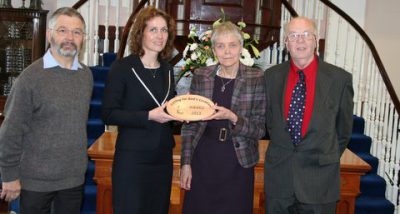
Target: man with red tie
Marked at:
309, 120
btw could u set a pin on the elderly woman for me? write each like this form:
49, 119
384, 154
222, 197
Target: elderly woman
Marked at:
135, 97
219, 153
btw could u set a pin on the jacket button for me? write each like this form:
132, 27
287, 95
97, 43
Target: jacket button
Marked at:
237, 145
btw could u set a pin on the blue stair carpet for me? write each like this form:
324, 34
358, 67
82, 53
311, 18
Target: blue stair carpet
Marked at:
95, 127
372, 199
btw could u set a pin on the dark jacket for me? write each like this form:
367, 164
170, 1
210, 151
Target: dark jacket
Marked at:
126, 103
310, 170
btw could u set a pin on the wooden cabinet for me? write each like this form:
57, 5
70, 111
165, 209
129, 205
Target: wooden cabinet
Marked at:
102, 152
22, 41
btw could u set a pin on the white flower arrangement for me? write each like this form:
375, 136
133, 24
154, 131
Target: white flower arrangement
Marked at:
198, 52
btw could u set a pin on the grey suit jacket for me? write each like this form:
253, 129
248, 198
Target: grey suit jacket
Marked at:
248, 103
311, 170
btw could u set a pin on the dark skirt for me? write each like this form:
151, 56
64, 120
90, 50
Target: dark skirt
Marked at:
219, 183
140, 186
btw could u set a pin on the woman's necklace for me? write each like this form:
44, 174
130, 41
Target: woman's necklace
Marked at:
224, 84
153, 71
152, 67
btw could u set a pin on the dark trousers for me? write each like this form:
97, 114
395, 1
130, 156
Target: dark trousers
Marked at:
67, 201
293, 206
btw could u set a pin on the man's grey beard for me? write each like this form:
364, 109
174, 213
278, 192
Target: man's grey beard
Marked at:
66, 53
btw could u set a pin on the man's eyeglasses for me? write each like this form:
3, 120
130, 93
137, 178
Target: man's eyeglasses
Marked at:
64, 32
292, 37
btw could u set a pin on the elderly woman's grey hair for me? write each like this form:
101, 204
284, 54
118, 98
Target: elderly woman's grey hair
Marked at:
225, 28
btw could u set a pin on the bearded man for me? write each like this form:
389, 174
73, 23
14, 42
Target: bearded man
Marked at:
43, 139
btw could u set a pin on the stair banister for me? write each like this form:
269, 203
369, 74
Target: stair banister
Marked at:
117, 41
127, 28
371, 46
368, 41
79, 3
289, 7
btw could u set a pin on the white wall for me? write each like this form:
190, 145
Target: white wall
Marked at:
382, 25
354, 8
379, 19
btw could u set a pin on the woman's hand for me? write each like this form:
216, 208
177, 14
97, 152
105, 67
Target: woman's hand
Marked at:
186, 176
159, 115
222, 113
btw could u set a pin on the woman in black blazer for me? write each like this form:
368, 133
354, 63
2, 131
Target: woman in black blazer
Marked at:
137, 89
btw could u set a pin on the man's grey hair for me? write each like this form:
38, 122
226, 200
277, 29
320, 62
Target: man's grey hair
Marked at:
67, 11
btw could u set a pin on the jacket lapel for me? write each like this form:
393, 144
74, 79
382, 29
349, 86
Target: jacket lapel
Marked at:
164, 69
322, 85
239, 83
281, 82
208, 83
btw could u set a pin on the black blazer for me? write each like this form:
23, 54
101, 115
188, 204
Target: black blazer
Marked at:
126, 103
311, 170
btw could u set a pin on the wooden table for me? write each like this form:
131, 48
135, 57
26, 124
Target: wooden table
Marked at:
102, 152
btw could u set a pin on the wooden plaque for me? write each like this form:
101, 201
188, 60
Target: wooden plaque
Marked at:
190, 107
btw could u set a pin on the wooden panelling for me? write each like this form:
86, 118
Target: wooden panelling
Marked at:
201, 14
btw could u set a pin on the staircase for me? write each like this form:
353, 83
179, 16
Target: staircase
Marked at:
95, 128
372, 199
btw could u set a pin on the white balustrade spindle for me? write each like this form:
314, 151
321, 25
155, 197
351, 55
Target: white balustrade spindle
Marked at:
106, 43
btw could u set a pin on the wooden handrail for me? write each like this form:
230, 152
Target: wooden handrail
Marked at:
289, 7
78, 4
127, 28
378, 61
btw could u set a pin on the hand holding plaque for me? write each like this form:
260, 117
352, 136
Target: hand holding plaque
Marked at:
190, 107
